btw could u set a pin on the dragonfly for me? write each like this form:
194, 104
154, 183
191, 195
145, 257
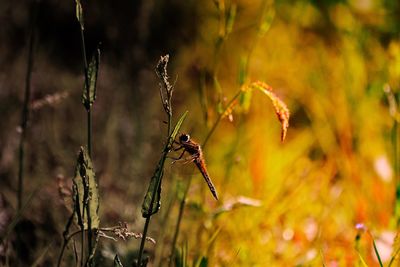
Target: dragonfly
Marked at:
194, 150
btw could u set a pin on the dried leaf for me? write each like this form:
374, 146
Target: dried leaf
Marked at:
243, 70
231, 19
117, 262
229, 110
79, 13
245, 100
86, 195
280, 107
362, 261
203, 262
161, 71
89, 95
238, 202
266, 21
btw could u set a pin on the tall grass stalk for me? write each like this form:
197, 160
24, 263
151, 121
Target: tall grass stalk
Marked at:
166, 91
27, 96
86, 196
89, 144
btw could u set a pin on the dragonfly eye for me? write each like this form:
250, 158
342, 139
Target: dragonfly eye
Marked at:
184, 138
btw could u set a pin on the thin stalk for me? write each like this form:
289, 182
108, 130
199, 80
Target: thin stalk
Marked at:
178, 224
25, 111
218, 120
155, 190
396, 168
66, 239
167, 104
89, 117
89, 137
148, 218
377, 253
89, 132
144, 234
82, 225
164, 225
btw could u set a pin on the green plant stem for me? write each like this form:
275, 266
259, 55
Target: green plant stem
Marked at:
25, 111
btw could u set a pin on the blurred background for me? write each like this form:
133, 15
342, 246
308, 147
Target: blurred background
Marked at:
335, 63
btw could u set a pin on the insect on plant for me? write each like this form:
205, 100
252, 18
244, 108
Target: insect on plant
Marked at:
196, 154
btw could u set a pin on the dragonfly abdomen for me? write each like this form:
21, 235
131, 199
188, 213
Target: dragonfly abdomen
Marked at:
201, 166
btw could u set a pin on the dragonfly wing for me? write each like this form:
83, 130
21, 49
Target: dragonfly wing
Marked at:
202, 168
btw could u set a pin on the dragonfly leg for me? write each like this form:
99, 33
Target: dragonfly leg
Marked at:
180, 156
190, 159
177, 148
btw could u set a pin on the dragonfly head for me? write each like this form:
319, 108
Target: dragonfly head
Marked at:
184, 138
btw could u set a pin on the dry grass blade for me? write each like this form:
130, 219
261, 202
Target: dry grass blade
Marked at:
280, 107
117, 262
